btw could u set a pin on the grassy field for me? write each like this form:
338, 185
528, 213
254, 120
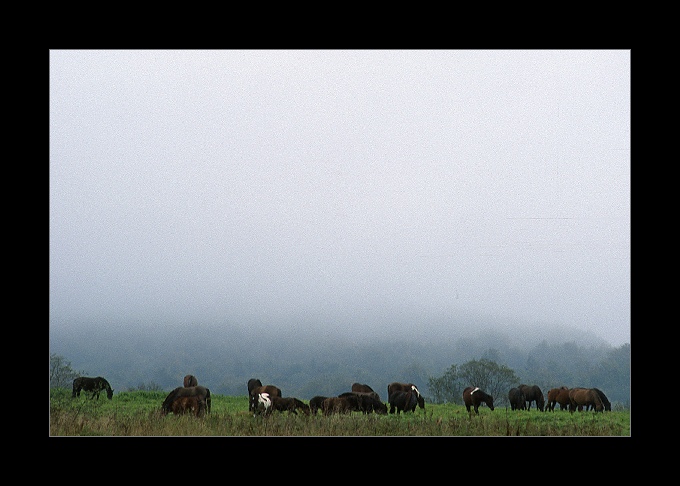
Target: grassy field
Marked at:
138, 414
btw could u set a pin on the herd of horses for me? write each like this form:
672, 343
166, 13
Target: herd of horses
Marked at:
521, 398
572, 399
401, 397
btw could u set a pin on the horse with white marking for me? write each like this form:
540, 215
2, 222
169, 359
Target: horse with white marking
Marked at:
474, 396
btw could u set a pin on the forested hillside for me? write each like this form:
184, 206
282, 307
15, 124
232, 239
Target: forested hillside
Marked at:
304, 365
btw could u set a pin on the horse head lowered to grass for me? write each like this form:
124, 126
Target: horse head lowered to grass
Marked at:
199, 391
94, 385
406, 387
475, 396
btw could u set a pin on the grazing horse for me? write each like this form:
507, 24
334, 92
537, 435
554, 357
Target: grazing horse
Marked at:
289, 404
405, 401
338, 405
192, 404
370, 404
201, 392
396, 386
533, 393
190, 380
94, 385
367, 402
558, 395
362, 388
252, 384
517, 399
605, 401
315, 403
474, 396
584, 397
271, 390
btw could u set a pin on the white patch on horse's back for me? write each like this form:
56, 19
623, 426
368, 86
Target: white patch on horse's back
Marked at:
413, 387
264, 399
476, 389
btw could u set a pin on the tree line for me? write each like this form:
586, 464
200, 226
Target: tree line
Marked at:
305, 366
611, 374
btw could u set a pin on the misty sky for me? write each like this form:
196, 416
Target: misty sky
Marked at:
358, 188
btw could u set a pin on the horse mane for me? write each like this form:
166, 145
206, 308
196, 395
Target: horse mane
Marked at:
104, 382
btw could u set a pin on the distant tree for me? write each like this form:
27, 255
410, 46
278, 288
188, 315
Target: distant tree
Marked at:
491, 377
446, 388
488, 375
61, 372
151, 386
612, 375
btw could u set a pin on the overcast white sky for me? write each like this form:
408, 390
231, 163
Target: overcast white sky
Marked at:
356, 187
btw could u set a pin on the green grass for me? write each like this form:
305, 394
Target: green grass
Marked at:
138, 414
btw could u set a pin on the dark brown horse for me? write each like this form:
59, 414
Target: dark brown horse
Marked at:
94, 385
315, 403
193, 404
605, 401
558, 395
199, 391
397, 386
367, 402
584, 397
289, 404
405, 401
333, 405
517, 399
271, 390
252, 384
190, 380
362, 388
533, 393
474, 396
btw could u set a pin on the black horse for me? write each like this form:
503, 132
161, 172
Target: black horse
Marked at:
94, 385
315, 403
533, 393
405, 401
397, 386
517, 399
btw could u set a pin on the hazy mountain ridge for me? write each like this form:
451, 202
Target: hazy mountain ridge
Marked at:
305, 363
